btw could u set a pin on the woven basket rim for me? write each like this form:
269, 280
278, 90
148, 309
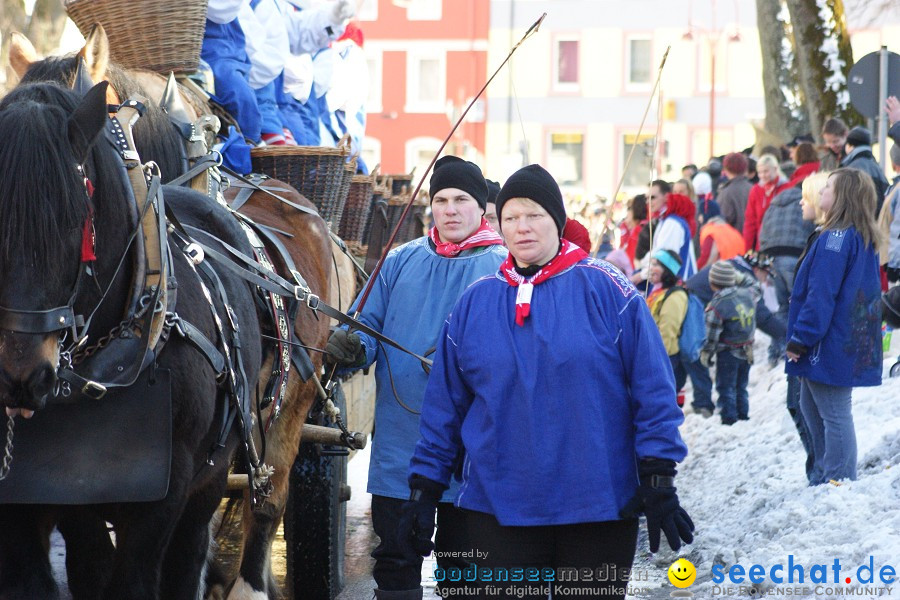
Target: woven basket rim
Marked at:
298, 151
139, 43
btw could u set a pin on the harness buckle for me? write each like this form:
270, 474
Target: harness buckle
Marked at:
195, 253
312, 301
93, 390
300, 293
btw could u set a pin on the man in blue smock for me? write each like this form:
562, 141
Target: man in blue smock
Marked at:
414, 292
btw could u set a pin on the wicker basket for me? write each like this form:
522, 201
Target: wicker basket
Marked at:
402, 184
338, 211
157, 35
356, 209
379, 192
317, 173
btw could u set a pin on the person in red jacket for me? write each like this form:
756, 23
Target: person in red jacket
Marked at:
631, 225
771, 181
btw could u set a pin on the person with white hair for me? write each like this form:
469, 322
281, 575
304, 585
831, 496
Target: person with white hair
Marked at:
771, 182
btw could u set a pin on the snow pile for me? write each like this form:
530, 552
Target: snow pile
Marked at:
746, 489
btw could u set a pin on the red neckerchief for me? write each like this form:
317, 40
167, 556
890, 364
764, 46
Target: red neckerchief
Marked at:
568, 255
483, 236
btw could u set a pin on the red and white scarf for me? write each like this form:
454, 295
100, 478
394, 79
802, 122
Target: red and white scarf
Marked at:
483, 236
568, 255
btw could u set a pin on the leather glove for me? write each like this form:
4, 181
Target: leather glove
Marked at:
345, 349
417, 515
656, 498
342, 10
893, 274
707, 359
795, 348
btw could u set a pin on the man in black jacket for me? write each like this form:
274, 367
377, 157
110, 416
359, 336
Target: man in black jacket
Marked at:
859, 156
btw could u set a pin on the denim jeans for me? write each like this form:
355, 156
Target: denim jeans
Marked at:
827, 411
702, 384
679, 371
784, 269
732, 375
793, 406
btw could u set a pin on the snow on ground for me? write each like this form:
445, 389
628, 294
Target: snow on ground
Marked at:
746, 490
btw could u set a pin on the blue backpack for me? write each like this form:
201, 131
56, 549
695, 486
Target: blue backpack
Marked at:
693, 328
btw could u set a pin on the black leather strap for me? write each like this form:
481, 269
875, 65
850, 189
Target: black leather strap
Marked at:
195, 337
39, 321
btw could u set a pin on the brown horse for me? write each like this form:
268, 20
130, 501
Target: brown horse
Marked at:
310, 248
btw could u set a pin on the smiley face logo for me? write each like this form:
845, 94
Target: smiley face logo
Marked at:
682, 573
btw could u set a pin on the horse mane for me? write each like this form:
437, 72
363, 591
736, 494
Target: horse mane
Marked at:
42, 194
155, 137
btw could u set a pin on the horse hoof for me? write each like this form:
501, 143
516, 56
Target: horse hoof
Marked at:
241, 590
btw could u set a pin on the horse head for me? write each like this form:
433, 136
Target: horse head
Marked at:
45, 214
156, 138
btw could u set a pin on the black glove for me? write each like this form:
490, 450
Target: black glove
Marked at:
797, 348
893, 274
416, 526
656, 498
345, 349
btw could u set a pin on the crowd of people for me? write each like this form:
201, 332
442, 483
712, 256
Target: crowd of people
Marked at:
549, 420
288, 76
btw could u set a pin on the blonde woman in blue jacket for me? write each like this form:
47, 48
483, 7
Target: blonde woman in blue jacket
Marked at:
834, 322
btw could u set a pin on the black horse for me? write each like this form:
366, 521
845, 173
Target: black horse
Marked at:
52, 142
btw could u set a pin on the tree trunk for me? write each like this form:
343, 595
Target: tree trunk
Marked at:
824, 59
785, 116
46, 25
12, 18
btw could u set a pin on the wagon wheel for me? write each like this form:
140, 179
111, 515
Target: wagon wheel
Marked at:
315, 521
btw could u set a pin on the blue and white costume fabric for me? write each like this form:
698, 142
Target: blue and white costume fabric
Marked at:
224, 48
412, 296
553, 416
674, 234
835, 312
274, 30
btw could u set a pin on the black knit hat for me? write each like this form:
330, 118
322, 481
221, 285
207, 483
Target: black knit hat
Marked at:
493, 190
535, 183
454, 172
859, 136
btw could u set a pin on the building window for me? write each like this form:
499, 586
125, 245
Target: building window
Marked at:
374, 62
639, 61
640, 170
566, 64
566, 159
419, 152
426, 85
423, 10
371, 151
368, 11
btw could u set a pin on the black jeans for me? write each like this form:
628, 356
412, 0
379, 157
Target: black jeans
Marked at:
605, 549
393, 572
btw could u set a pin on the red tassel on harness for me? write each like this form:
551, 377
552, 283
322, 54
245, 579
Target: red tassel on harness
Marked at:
87, 232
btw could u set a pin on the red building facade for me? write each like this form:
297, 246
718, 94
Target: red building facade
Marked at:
427, 59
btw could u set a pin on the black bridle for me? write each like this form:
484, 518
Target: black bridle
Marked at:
60, 318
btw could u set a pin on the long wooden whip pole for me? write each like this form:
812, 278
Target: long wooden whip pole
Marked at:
643, 120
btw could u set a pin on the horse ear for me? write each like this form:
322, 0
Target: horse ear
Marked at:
96, 52
87, 121
21, 53
171, 101
82, 83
